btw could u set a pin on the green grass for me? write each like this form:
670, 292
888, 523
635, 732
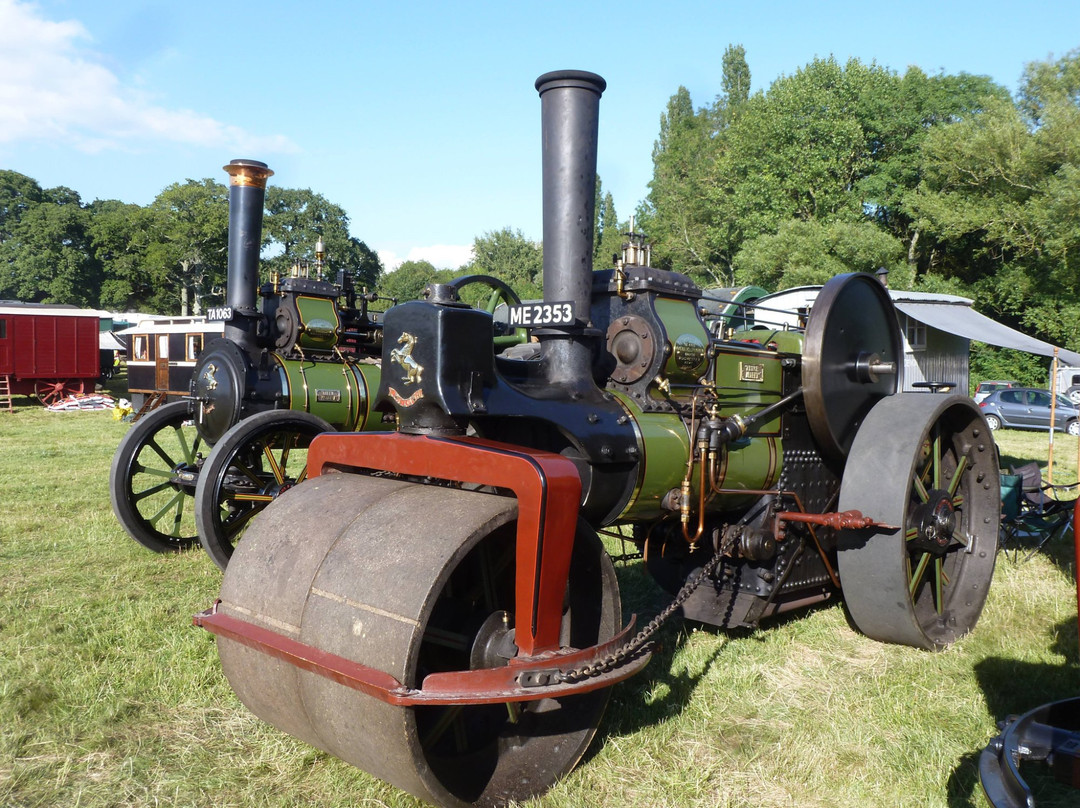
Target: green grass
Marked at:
109, 697
1017, 447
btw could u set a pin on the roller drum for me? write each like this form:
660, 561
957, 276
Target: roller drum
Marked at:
406, 578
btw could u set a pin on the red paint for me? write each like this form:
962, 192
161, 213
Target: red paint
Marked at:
38, 343
485, 686
847, 520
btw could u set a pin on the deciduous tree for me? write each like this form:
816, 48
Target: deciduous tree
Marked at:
190, 228
803, 253
678, 216
509, 256
295, 221
119, 238
409, 280
47, 254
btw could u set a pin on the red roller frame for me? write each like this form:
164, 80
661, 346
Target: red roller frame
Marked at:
547, 486
548, 489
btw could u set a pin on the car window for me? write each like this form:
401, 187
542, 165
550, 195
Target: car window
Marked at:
1064, 402
1011, 397
1037, 398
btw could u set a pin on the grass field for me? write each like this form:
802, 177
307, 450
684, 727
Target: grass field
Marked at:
109, 697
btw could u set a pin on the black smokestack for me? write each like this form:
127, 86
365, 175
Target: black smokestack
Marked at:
570, 109
247, 194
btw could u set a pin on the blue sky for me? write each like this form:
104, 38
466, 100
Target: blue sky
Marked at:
420, 118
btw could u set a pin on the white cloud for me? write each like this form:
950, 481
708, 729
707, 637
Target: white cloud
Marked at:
51, 88
390, 259
441, 256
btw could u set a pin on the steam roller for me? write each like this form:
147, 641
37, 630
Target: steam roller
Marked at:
434, 604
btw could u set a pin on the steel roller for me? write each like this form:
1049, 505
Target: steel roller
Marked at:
408, 579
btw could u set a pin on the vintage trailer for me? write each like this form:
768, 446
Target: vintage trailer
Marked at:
162, 355
49, 351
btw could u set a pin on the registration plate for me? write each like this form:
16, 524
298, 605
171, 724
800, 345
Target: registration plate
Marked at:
532, 315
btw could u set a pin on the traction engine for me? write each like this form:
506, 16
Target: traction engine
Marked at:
303, 362
434, 604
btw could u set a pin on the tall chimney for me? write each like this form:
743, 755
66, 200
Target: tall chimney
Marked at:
569, 109
247, 194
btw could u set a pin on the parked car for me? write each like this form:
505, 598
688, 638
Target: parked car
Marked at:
1027, 408
983, 389
1068, 382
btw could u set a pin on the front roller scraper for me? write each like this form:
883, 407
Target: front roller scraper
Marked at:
376, 618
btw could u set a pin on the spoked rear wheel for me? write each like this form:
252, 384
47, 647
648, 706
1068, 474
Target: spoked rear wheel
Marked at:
152, 479
927, 465
410, 579
49, 392
254, 462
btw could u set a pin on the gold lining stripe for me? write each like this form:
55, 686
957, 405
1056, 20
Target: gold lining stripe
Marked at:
281, 625
322, 593
643, 459
285, 377
770, 478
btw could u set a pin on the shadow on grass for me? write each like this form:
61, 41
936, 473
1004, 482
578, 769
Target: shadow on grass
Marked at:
1059, 549
1013, 687
665, 688
632, 707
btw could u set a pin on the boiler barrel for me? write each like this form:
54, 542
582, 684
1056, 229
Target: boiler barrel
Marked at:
339, 393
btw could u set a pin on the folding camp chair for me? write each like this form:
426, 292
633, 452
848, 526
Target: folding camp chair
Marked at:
1031, 517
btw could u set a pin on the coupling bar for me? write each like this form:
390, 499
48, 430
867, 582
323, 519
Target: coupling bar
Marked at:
845, 520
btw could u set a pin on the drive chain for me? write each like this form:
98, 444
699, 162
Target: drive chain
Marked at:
637, 643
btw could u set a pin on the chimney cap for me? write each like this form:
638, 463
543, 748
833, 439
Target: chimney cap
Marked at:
571, 78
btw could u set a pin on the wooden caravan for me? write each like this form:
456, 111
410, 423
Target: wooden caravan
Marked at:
162, 355
49, 351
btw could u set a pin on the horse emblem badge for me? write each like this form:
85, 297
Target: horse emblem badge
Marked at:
404, 357
413, 369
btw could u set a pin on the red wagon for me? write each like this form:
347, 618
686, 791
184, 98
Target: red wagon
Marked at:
49, 351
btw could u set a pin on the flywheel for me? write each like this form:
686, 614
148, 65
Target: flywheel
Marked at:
852, 358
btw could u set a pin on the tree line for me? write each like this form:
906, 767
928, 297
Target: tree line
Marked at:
948, 181
169, 257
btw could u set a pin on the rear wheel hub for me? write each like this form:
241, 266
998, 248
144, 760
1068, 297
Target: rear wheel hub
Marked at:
936, 520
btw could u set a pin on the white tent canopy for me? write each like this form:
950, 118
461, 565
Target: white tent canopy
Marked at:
107, 341
954, 315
